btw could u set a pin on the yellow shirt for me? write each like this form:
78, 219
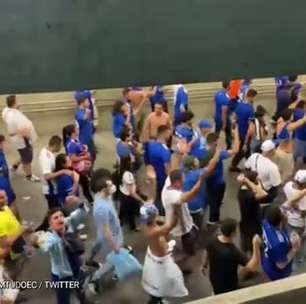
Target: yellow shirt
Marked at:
9, 225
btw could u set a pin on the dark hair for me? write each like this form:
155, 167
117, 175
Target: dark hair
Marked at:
161, 129
225, 84
67, 132
11, 100
186, 116
52, 211
125, 90
274, 215
293, 78
159, 103
251, 175
260, 111
228, 226
287, 114
117, 107
175, 176
99, 179
125, 134
55, 140
2, 138
212, 138
251, 93
60, 162
300, 104
125, 165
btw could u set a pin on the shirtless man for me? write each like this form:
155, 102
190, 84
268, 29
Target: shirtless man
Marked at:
161, 276
160, 271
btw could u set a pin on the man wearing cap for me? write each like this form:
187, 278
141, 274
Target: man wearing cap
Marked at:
197, 205
86, 94
295, 208
155, 119
222, 113
216, 185
198, 148
267, 170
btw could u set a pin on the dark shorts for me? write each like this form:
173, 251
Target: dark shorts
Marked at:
189, 241
26, 154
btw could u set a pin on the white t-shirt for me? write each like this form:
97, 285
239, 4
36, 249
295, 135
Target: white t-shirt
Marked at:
294, 216
16, 121
267, 171
47, 165
172, 197
128, 181
290, 192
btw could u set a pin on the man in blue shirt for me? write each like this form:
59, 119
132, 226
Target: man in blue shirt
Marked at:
83, 117
279, 249
216, 183
197, 205
109, 233
244, 114
159, 97
200, 145
222, 113
287, 92
300, 135
159, 156
181, 103
5, 183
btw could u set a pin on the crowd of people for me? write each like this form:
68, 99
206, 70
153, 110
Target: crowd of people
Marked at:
184, 164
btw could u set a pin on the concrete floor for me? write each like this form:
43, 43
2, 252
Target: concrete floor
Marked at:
33, 207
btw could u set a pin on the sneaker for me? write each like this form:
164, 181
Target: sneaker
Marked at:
80, 227
92, 289
33, 178
83, 236
210, 223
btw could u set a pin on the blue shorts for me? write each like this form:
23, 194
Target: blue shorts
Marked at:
299, 148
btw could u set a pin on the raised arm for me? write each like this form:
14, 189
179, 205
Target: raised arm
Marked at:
297, 124
165, 229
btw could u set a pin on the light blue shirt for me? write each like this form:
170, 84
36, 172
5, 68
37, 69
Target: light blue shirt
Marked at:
105, 214
54, 245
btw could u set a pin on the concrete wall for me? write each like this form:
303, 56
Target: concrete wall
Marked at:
51, 110
291, 290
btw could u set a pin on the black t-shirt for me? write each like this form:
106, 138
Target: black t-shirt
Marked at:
250, 212
224, 259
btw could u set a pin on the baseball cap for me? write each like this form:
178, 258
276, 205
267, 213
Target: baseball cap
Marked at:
267, 145
148, 212
128, 178
188, 161
300, 176
81, 95
205, 124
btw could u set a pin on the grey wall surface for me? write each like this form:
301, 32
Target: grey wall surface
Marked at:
69, 44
